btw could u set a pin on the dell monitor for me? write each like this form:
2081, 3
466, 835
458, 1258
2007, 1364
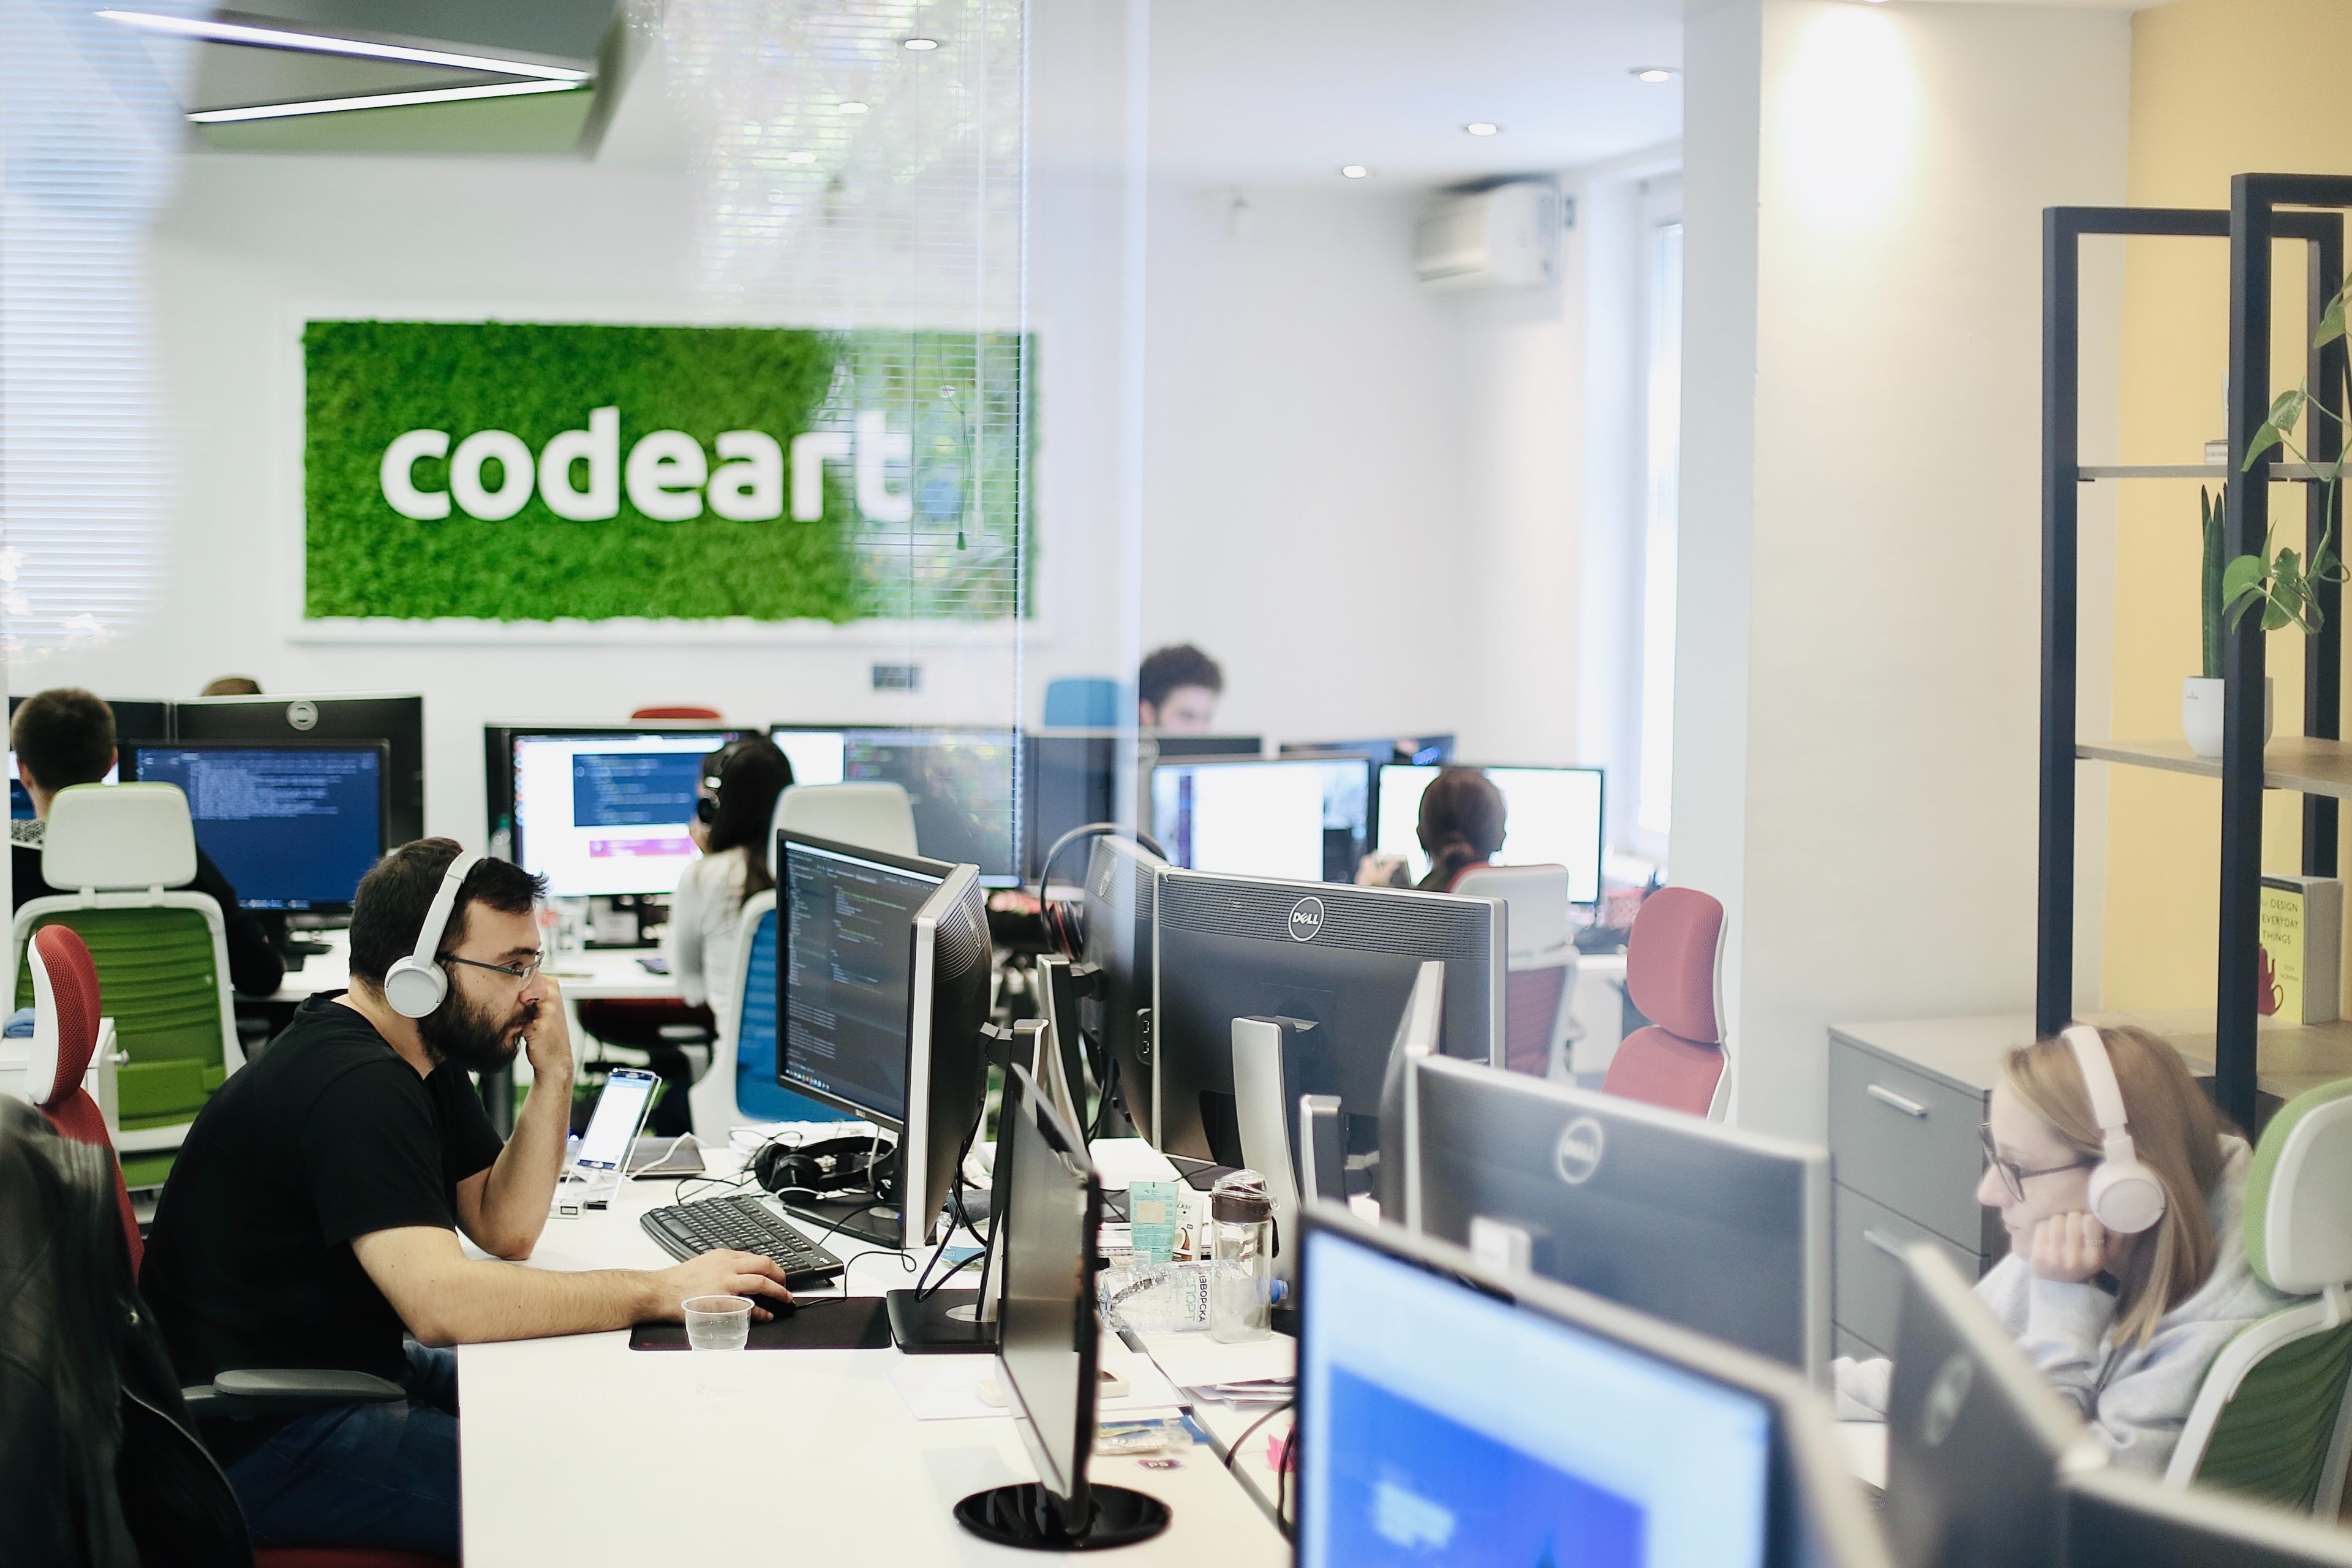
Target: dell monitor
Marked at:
1048, 1203
882, 991
2120, 1518
605, 813
1306, 818
1426, 751
1341, 961
1623, 1199
1979, 1445
1447, 1413
1552, 818
1122, 879
398, 722
292, 825
959, 782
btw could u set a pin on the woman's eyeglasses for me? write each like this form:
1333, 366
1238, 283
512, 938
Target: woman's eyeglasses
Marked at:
2013, 1175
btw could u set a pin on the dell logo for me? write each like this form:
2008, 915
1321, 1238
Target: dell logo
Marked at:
1946, 1395
1306, 920
1578, 1153
301, 714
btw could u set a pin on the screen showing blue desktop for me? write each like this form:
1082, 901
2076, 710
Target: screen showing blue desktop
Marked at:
291, 827
1445, 1425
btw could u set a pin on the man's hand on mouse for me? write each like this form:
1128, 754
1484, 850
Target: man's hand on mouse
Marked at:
722, 1273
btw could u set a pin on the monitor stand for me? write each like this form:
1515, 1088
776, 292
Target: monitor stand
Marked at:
860, 1218
945, 1322
1028, 1517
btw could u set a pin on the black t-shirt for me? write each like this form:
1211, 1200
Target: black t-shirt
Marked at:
325, 1136
254, 967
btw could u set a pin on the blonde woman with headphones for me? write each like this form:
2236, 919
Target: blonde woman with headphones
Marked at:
2126, 1273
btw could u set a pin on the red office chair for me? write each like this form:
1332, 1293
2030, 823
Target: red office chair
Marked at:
1674, 961
65, 1035
697, 715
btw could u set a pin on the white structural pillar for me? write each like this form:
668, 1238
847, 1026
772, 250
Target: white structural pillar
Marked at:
1858, 648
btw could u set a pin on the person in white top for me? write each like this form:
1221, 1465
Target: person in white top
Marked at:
733, 809
2123, 1325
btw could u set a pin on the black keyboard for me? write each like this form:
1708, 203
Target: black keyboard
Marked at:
741, 1225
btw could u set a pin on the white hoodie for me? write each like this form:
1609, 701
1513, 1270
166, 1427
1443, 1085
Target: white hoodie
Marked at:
2135, 1396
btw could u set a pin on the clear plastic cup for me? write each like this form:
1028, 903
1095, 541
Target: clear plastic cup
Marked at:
718, 1322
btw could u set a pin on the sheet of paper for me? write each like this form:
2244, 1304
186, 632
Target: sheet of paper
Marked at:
947, 1387
1866, 1450
1123, 1161
1194, 1360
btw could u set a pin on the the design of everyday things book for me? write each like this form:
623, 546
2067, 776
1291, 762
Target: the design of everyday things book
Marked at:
2301, 948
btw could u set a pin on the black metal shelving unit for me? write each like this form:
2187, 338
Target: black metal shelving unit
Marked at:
2255, 219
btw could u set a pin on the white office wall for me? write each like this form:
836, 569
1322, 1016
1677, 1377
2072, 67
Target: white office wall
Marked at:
1858, 656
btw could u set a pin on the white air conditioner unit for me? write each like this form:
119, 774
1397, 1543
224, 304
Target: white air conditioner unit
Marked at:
1507, 237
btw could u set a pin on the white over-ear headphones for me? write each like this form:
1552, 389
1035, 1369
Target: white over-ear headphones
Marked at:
416, 984
2126, 1196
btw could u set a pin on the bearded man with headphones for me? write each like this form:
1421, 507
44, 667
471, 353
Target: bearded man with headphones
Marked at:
313, 1214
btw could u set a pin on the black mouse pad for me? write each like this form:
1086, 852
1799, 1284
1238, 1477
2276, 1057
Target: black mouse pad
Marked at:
835, 1323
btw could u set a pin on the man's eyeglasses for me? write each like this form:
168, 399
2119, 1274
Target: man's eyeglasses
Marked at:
2013, 1175
522, 972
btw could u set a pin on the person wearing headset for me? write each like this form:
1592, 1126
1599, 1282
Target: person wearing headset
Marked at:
733, 812
313, 1213
2122, 1193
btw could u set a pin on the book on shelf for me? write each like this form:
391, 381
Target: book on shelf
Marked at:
2302, 954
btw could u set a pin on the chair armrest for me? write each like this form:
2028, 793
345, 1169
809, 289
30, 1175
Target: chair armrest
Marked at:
281, 1391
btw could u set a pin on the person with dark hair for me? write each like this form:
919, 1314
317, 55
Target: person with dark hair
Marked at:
1178, 689
65, 736
732, 812
231, 686
1461, 827
313, 1215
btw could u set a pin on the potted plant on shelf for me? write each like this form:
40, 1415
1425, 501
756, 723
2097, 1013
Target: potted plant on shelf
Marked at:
2201, 695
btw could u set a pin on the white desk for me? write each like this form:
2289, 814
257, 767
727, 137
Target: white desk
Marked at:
595, 974
581, 1452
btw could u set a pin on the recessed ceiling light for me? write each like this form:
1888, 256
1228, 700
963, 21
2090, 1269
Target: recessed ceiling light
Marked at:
850, 106
1356, 172
1656, 73
921, 46
1482, 128
800, 157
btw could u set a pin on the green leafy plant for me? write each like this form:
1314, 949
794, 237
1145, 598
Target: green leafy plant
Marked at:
2280, 580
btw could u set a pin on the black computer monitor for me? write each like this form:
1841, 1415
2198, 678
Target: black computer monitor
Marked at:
1068, 779
1552, 818
882, 988
1977, 1443
2120, 1518
134, 720
1450, 1414
1161, 744
1340, 959
1424, 749
1121, 882
604, 813
1048, 1207
1618, 1198
1306, 818
958, 781
396, 720
292, 825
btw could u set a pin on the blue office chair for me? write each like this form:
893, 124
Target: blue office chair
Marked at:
741, 1086
1083, 702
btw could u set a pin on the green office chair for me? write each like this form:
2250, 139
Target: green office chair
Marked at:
162, 953
2273, 1418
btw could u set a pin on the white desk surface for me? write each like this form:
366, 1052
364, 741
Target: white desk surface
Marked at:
581, 1451
596, 974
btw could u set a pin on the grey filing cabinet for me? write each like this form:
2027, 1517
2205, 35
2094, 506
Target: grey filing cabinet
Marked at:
1906, 1101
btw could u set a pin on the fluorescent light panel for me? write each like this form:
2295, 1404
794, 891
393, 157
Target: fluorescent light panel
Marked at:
380, 101
215, 30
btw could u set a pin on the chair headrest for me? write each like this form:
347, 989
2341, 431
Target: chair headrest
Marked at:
118, 835
1670, 961
2298, 1236
65, 1013
870, 813
1537, 897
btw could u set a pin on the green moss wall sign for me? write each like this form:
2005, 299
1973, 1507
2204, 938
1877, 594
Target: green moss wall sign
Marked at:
509, 471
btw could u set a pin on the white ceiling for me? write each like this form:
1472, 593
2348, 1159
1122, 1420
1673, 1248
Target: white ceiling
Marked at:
1249, 92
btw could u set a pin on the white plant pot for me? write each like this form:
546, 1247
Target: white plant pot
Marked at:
2200, 713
